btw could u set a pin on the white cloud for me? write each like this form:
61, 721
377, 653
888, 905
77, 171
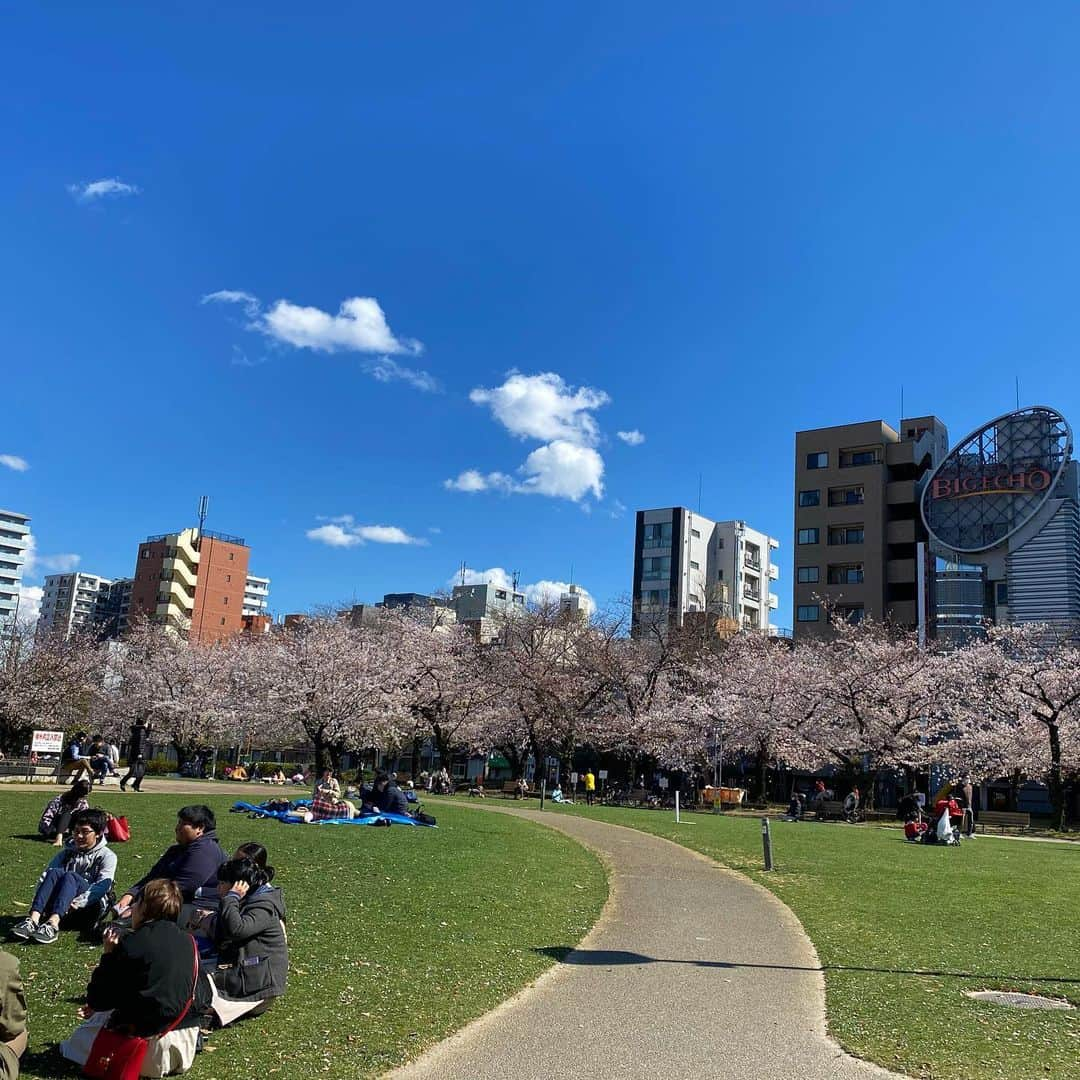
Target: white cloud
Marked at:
58, 564
343, 532
386, 370
30, 603
102, 189
473, 481
539, 592
543, 407
563, 470
12, 461
632, 437
546, 408
359, 326
249, 303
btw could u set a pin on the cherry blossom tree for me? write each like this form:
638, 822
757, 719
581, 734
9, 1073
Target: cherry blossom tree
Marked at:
341, 687
195, 694
51, 683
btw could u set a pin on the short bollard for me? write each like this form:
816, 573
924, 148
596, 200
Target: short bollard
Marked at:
766, 841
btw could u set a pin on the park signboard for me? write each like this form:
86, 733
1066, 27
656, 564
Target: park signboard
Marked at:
47, 742
994, 481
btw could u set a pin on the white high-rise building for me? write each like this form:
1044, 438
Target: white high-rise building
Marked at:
256, 595
684, 563
81, 602
14, 540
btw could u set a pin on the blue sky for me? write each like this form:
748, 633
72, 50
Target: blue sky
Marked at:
712, 225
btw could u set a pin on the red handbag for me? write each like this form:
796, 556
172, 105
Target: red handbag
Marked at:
117, 830
116, 1056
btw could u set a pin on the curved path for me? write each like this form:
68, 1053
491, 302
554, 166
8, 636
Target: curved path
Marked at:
691, 971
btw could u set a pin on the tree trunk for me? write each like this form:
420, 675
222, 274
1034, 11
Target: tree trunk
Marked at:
414, 764
320, 754
1054, 780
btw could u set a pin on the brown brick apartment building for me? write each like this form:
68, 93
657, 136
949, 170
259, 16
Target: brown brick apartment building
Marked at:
192, 581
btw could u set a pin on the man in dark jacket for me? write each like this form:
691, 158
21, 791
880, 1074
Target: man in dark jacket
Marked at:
387, 797
192, 862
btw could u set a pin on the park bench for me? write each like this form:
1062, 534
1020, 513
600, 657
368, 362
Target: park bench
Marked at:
1003, 819
828, 808
510, 788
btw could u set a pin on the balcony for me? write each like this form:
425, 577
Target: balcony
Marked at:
751, 594
900, 532
774, 572
900, 492
900, 571
752, 561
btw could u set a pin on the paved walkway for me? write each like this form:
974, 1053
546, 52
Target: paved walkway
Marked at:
691, 972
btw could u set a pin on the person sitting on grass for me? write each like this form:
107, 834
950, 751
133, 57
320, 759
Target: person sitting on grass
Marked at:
56, 818
558, 797
146, 984
75, 884
386, 797
477, 790
252, 948
12, 1017
327, 785
795, 807
191, 862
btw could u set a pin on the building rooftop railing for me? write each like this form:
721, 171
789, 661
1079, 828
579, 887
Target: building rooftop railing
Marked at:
239, 540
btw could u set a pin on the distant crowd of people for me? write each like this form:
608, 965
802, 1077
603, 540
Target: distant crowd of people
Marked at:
198, 941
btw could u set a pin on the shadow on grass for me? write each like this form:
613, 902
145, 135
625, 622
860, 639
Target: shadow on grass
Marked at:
48, 1063
620, 957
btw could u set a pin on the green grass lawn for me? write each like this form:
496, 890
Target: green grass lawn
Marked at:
397, 936
995, 914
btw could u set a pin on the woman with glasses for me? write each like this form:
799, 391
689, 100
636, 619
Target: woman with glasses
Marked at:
76, 882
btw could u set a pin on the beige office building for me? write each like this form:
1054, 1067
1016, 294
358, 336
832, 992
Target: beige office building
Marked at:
857, 523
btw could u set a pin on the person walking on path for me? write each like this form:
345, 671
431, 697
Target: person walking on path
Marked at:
136, 756
590, 787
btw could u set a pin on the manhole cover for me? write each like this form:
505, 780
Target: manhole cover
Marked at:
1018, 1001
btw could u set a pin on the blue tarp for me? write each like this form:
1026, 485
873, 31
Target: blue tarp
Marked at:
363, 819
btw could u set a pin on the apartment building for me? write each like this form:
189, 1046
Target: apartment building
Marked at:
857, 522
14, 540
685, 563
256, 595
73, 603
194, 581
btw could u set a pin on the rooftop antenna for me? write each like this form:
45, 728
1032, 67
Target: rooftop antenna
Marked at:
462, 571
571, 573
204, 504
1017, 393
901, 405
516, 575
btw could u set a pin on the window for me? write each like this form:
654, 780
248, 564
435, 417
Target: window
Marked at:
847, 496
654, 597
817, 461
808, 613
1002, 592
694, 565
222, 620
850, 574
231, 554
500, 594
720, 574
846, 534
852, 613
808, 575
860, 455
658, 534
809, 498
695, 534
656, 566
144, 553
720, 545
228, 577
809, 536
225, 600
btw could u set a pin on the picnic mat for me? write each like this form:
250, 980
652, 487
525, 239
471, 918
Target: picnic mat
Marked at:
363, 819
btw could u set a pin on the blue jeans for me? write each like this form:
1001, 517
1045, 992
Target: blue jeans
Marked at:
56, 891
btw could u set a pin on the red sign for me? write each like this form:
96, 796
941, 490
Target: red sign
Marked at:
1000, 483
